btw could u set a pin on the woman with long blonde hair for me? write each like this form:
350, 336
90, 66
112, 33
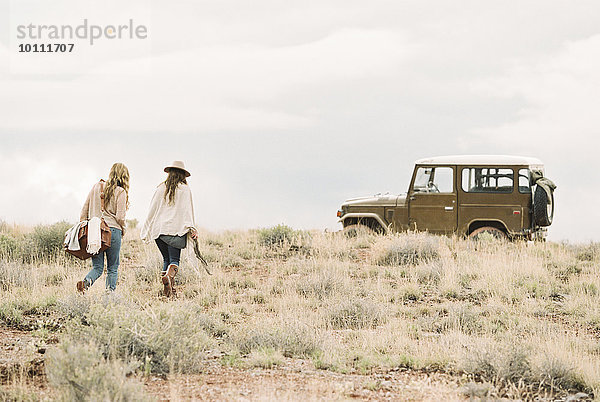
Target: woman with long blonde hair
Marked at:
115, 192
170, 220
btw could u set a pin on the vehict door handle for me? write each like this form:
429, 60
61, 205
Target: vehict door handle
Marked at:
449, 208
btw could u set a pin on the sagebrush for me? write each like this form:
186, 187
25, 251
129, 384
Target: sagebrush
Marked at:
499, 318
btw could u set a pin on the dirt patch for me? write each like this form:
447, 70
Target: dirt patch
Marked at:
20, 356
299, 380
22, 362
22, 368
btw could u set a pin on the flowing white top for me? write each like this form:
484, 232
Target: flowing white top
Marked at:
169, 219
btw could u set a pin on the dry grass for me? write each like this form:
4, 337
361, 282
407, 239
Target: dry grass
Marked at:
509, 319
80, 372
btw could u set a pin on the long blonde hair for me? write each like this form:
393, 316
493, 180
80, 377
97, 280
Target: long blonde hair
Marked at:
118, 176
174, 177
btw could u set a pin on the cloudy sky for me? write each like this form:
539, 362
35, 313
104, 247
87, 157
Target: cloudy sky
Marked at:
281, 110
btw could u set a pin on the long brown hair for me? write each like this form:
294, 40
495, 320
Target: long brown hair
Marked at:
174, 177
118, 176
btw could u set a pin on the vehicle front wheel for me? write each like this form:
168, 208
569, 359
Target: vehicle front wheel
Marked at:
357, 230
488, 231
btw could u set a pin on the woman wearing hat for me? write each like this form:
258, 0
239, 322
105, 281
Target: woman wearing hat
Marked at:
170, 219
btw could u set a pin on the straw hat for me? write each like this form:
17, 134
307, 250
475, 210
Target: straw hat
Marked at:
178, 165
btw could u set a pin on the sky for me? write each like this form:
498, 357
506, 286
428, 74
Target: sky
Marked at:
282, 110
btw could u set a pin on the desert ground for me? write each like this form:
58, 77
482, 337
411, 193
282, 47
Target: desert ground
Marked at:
296, 315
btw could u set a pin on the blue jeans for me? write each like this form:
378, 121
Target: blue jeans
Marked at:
171, 255
112, 263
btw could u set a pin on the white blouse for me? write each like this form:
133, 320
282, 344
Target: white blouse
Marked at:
169, 219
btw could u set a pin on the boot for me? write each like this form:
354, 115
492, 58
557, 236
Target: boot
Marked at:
167, 279
82, 286
167, 287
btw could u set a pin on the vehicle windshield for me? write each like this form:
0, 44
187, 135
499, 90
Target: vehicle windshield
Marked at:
422, 179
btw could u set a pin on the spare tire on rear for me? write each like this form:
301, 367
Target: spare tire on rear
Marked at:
543, 206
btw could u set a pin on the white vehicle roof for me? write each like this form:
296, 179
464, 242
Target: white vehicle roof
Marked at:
480, 160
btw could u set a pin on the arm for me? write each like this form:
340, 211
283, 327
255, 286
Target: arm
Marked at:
154, 205
84, 215
189, 212
193, 231
121, 209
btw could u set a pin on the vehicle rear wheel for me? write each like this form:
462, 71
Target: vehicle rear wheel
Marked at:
357, 230
486, 231
543, 207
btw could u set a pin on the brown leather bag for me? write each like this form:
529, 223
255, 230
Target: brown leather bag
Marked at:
105, 235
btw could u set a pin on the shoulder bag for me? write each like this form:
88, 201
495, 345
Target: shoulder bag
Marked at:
105, 235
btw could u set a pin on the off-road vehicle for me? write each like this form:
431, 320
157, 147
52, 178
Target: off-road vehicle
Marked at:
505, 196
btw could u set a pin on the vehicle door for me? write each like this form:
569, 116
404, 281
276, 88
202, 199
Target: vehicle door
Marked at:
487, 193
432, 199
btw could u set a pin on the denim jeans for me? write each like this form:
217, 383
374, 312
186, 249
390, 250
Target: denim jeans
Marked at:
171, 255
112, 262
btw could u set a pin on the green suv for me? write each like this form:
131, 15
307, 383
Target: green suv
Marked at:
505, 196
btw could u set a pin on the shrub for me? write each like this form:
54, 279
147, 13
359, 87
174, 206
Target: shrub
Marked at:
171, 338
430, 274
556, 374
509, 369
18, 394
589, 252
410, 250
3, 226
465, 319
266, 358
10, 315
290, 340
498, 365
477, 391
565, 270
55, 279
241, 283
27, 251
74, 306
279, 235
80, 372
15, 275
232, 261
8, 246
48, 239
192, 272
320, 287
147, 273
355, 314
12, 312
45, 242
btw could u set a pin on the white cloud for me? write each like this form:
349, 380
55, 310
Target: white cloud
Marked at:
559, 123
281, 105
42, 189
201, 89
562, 94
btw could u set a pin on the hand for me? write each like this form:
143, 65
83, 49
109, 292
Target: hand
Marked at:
194, 234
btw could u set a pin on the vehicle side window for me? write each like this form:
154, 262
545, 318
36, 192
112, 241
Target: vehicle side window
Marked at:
524, 181
434, 180
487, 180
